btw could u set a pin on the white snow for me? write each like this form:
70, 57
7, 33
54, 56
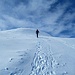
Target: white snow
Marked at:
21, 53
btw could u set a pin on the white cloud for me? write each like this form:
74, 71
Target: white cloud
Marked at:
36, 13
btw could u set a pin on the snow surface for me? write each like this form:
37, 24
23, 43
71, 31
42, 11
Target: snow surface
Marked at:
21, 53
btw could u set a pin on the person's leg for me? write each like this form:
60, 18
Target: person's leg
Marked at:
37, 35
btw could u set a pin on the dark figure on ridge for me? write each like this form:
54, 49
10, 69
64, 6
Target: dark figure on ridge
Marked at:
37, 32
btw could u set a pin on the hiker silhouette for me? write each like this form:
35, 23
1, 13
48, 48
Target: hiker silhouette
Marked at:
37, 32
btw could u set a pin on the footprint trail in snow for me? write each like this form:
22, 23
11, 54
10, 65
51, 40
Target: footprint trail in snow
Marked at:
43, 62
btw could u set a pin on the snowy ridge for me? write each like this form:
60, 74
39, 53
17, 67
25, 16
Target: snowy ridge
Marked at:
24, 54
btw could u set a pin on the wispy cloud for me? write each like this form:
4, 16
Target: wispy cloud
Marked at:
52, 16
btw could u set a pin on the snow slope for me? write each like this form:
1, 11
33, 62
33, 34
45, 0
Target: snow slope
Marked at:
21, 53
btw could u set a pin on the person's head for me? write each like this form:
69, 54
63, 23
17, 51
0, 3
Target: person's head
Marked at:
37, 29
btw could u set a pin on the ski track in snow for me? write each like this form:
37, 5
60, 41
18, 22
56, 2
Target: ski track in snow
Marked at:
67, 44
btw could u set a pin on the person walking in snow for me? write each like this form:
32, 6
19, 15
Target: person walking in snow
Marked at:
37, 32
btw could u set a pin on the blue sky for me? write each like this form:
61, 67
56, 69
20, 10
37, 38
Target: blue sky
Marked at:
56, 17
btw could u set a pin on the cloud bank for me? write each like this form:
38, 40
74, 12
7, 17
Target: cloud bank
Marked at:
55, 17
